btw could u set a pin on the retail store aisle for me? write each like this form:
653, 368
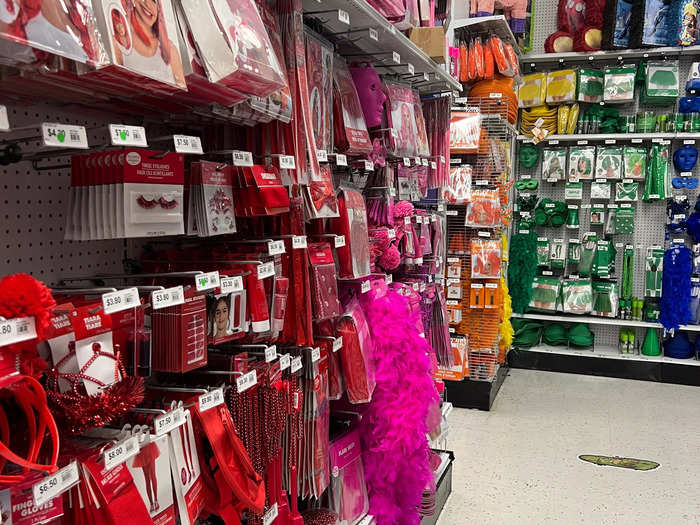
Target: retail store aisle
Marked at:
518, 464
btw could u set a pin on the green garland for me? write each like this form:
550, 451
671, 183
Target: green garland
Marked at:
522, 268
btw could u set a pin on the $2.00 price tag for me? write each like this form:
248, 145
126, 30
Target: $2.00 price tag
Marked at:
188, 144
56, 484
169, 421
123, 135
120, 300
207, 281
211, 399
120, 452
64, 135
231, 284
243, 159
246, 381
17, 330
168, 297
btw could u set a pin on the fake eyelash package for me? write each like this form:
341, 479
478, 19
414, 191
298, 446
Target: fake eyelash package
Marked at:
349, 128
422, 146
401, 119
353, 258
319, 74
348, 494
210, 208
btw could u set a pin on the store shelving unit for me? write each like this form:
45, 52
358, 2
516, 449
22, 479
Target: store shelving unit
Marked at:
588, 319
582, 139
599, 56
496, 24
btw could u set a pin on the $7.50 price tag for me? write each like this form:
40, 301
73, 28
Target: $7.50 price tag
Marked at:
270, 353
211, 399
245, 381
243, 159
120, 300
16, 330
56, 484
285, 361
168, 297
188, 144
231, 284
296, 364
63, 135
169, 421
123, 135
338, 343
120, 452
206, 281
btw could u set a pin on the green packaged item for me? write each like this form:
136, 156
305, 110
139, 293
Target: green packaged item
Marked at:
557, 254
600, 190
694, 122
545, 294
573, 255
550, 213
526, 333
553, 164
608, 163
605, 299
661, 123
590, 85
657, 184
626, 191
624, 221
588, 249
576, 296
543, 251
581, 336
627, 123
555, 334
618, 84
627, 289
573, 191
528, 155
653, 272
660, 85
572, 218
646, 122
604, 260
611, 220
581, 163
597, 214
634, 161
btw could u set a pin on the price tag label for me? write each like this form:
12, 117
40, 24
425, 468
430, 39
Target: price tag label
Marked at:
689, 141
424, 162
406, 161
211, 399
407, 220
242, 159
246, 381
120, 300
482, 182
451, 212
392, 192
339, 241
553, 142
168, 297
343, 16
17, 330
440, 207
266, 270
495, 95
418, 260
373, 34
285, 361
484, 234
315, 354
426, 76
287, 162
365, 286
411, 69
341, 160
275, 247
391, 233
271, 514
338, 343
120, 452
581, 142
395, 57
322, 155
416, 161
296, 364
369, 165
231, 284
636, 141
270, 353
625, 205
433, 165
56, 484
64, 135
686, 174
442, 159
188, 144
169, 421
207, 281
123, 135
610, 141
547, 272
388, 278
419, 219
4, 121
299, 242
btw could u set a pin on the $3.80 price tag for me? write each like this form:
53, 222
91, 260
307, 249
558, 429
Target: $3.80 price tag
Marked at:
169, 421
56, 484
245, 381
211, 399
120, 300
231, 284
266, 270
168, 297
123, 135
17, 330
120, 452
64, 135
188, 144
206, 281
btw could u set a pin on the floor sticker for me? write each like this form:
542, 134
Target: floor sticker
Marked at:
616, 461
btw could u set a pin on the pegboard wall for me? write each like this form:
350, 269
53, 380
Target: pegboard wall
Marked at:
544, 14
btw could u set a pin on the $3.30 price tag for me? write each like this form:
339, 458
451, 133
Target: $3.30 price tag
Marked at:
243, 159
338, 343
299, 242
17, 330
207, 281
296, 364
123, 135
169, 421
120, 300
245, 381
285, 361
339, 241
275, 247
56, 484
120, 452
168, 297
231, 284
211, 399
270, 353
188, 144
64, 135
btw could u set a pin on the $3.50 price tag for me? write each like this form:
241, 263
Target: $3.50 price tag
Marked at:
123, 135
188, 144
17, 330
120, 300
338, 343
168, 297
56, 484
64, 135
231, 284
245, 381
169, 421
296, 364
285, 361
211, 399
207, 281
120, 452
243, 159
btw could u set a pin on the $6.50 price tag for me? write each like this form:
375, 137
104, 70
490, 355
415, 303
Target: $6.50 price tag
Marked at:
168, 297
169, 421
120, 300
17, 330
123, 135
211, 399
120, 452
56, 484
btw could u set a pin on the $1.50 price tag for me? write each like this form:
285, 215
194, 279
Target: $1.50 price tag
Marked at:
246, 381
338, 343
243, 159
296, 364
17, 330
339, 241
231, 284
287, 162
120, 452
120, 300
270, 353
123, 135
275, 247
168, 297
188, 144
169, 421
211, 399
64, 135
285, 361
56, 484
266, 270
207, 281
299, 242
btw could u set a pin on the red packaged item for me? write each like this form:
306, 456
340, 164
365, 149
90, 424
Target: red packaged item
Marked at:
353, 258
319, 71
279, 305
336, 387
392, 10
356, 354
348, 493
422, 145
226, 316
349, 127
186, 472
18, 508
401, 119
319, 196
324, 288
465, 130
263, 192
484, 209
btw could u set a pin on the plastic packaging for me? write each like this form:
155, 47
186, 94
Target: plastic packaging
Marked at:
324, 287
319, 74
356, 354
545, 293
465, 130
459, 188
577, 296
533, 90
422, 146
619, 84
553, 164
486, 258
608, 163
353, 258
581, 163
635, 162
401, 120
348, 490
484, 209
590, 85
349, 128
561, 86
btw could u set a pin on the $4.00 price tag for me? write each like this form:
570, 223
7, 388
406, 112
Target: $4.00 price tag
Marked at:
120, 300
188, 144
164, 423
207, 281
17, 330
56, 484
243, 159
231, 284
245, 381
168, 297
120, 452
64, 135
123, 135
211, 399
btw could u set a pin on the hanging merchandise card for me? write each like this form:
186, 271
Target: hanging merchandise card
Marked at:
353, 258
349, 127
458, 191
422, 146
217, 194
226, 316
319, 195
608, 163
401, 119
635, 162
465, 130
553, 164
319, 71
184, 464
581, 163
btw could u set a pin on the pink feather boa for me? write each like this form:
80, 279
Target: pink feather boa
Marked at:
394, 427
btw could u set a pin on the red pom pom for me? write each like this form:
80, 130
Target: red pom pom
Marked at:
559, 42
588, 40
390, 259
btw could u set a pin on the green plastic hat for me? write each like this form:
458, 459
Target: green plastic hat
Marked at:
528, 155
526, 333
580, 335
554, 335
651, 346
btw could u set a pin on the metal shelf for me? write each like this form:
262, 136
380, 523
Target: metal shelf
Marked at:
588, 319
600, 137
608, 352
355, 35
496, 24
620, 54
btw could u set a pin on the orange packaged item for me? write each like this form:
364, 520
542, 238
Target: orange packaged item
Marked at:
484, 210
460, 369
479, 58
486, 258
465, 130
471, 63
476, 295
512, 58
463, 63
499, 56
488, 62
454, 312
491, 296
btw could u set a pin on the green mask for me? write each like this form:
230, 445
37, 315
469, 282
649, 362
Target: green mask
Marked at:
528, 155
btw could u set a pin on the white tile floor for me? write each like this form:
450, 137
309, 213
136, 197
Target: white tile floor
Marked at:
518, 464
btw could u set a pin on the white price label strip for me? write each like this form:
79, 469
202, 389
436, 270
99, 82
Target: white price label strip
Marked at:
231, 284
287, 162
120, 452
123, 135
246, 381
56, 484
296, 364
211, 399
270, 353
169, 421
433, 165
339, 241
365, 286
271, 514
299, 242
315, 354
207, 281
395, 57
391, 233
266, 270
341, 160
343, 16
168, 297
388, 278
243, 159
120, 300
285, 361
64, 135
424, 162
411, 69
188, 144
406, 161
17, 330
4, 121
275, 247
338, 343
322, 155
416, 161
373, 34
369, 165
